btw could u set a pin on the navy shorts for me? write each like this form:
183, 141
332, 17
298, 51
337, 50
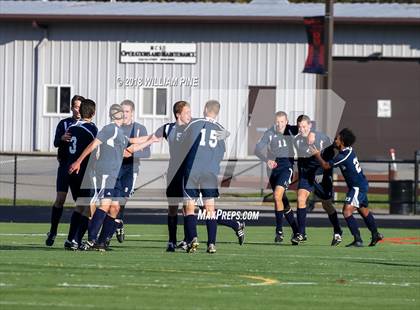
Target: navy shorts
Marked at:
175, 187
76, 188
204, 183
318, 181
357, 197
124, 186
281, 177
62, 182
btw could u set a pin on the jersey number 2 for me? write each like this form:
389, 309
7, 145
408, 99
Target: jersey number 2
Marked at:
357, 165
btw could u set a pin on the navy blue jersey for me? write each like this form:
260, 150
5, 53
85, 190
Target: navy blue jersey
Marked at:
350, 168
274, 145
61, 129
135, 130
111, 150
82, 134
205, 150
172, 132
305, 158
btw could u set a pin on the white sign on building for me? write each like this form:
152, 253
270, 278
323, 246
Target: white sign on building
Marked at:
173, 53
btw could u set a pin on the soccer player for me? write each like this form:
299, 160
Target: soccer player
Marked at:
205, 152
83, 132
172, 133
356, 198
275, 148
130, 165
312, 178
111, 142
61, 141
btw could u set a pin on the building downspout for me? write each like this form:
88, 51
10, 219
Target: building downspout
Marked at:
37, 78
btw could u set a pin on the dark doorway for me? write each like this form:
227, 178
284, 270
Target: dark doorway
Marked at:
261, 109
361, 83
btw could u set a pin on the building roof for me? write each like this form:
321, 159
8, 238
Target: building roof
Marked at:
256, 11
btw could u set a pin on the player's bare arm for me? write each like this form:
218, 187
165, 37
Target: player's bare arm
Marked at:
75, 167
315, 152
139, 140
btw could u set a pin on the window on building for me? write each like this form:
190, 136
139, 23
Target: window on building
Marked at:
58, 99
154, 102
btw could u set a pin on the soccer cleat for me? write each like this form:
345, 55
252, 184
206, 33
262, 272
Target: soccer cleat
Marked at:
101, 247
240, 233
297, 238
87, 246
193, 245
279, 237
211, 249
356, 243
50, 239
375, 239
71, 245
171, 247
120, 232
182, 245
336, 240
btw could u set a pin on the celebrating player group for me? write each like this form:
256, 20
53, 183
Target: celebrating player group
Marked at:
101, 168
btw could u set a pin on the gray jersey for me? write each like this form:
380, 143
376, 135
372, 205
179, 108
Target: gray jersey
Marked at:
111, 150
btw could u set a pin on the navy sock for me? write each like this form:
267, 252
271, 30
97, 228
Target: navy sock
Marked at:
301, 220
335, 223
191, 227
370, 223
95, 224
84, 222
75, 220
354, 228
211, 231
291, 220
229, 223
55, 219
172, 225
279, 221
185, 230
108, 229
121, 212
285, 201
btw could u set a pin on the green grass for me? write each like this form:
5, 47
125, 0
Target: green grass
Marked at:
259, 275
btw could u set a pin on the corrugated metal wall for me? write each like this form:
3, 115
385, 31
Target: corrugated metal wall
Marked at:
230, 58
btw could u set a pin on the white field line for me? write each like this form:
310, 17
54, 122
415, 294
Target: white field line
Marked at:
42, 304
64, 235
65, 284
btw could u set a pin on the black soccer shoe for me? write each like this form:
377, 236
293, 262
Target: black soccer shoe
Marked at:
240, 233
356, 244
50, 239
375, 239
171, 247
71, 245
297, 238
279, 237
337, 238
120, 232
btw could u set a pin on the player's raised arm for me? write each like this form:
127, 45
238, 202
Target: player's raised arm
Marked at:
75, 167
315, 152
141, 146
139, 140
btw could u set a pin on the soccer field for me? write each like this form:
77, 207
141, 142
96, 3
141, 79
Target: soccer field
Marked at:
258, 275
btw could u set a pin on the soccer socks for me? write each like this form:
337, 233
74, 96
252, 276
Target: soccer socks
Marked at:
354, 228
229, 223
291, 220
335, 223
108, 229
95, 224
75, 220
279, 221
211, 231
121, 212
190, 221
172, 223
301, 220
84, 222
55, 219
371, 223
